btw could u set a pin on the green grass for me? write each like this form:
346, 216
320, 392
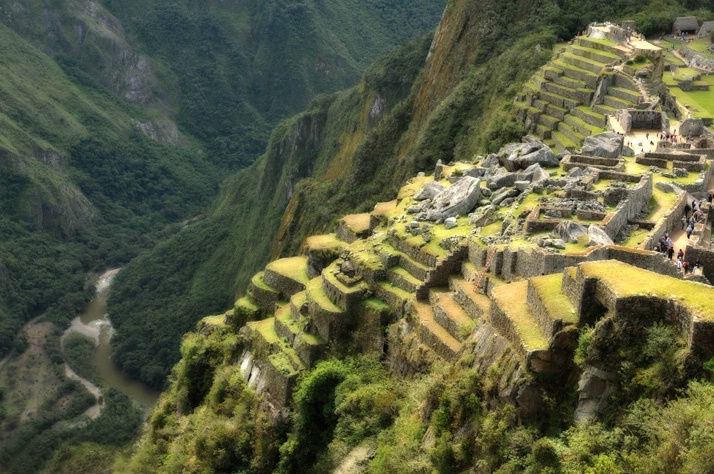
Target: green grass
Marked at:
258, 281
626, 280
701, 103
294, 268
511, 298
324, 242
701, 45
557, 304
316, 294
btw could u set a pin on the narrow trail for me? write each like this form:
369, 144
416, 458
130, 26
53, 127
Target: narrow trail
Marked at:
92, 332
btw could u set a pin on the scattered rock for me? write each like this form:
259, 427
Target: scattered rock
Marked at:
490, 161
606, 145
597, 236
514, 156
503, 194
570, 231
558, 243
438, 170
680, 172
450, 223
668, 187
429, 191
456, 200
522, 185
502, 179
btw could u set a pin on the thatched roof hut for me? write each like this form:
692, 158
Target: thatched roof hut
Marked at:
706, 29
685, 24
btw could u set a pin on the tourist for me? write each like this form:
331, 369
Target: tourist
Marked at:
687, 208
684, 222
670, 252
679, 263
680, 254
690, 229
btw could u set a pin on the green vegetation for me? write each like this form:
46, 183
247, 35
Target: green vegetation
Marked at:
78, 351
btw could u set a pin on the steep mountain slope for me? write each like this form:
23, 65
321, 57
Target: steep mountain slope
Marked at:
121, 118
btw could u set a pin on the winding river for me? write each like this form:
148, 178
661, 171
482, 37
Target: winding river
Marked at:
94, 323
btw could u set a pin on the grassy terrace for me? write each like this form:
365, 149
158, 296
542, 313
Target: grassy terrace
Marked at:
294, 268
357, 222
258, 281
317, 294
625, 280
319, 243
557, 304
511, 298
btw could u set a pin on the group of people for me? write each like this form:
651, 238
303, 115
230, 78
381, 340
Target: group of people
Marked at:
688, 222
666, 248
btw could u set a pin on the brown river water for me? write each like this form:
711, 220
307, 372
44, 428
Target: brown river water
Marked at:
94, 323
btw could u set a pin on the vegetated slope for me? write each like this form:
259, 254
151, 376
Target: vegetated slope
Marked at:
93, 161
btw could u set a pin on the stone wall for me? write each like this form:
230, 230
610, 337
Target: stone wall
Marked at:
701, 340
671, 219
696, 59
581, 161
638, 198
705, 256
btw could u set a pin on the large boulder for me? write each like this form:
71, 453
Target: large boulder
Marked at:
515, 156
502, 194
534, 173
502, 179
597, 236
429, 191
606, 145
456, 200
691, 127
570, 231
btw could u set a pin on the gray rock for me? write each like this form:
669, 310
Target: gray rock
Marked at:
502, 179
558, 243
607, 145
502, 194
575, 173
540, 175
627, 151
438, 170
515, 156
522, 185
457, 200
485, 192
680, 172
429, 191
570, 231
691, 127
450, 223
668, 187
597, 236
543, 157
490, 161
475, 172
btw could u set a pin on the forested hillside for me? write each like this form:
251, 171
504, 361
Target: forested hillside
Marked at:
122, 117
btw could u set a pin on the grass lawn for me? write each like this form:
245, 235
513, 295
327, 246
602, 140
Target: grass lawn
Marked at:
556, 303
511, 298
626, 280
294, 268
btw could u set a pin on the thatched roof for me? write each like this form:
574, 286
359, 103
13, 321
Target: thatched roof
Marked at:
685, 23
706, 28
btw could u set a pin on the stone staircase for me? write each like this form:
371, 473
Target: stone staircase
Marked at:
558, 104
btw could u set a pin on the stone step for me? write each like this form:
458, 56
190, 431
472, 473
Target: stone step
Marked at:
353, 226
582, 62
558, 100
542, 131
604, 109
401, 278
563, 143
395, 297
571, 133
287, 275
263, 337
580, 96
263, 294
625, 82
589, 116
450, 315
551, 72
616, 103
414, 252
323, 312
624, 94
598, 56
588, 77
285, 326
581, 126
548, 121
513, 319
540, 104
310, 348
298, 306
555, 111
570, 82
345, 297
601, 45
392, 257
432, 335
476, 305
244, 310
551, 308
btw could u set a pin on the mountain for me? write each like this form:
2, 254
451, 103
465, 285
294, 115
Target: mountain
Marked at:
407, 382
